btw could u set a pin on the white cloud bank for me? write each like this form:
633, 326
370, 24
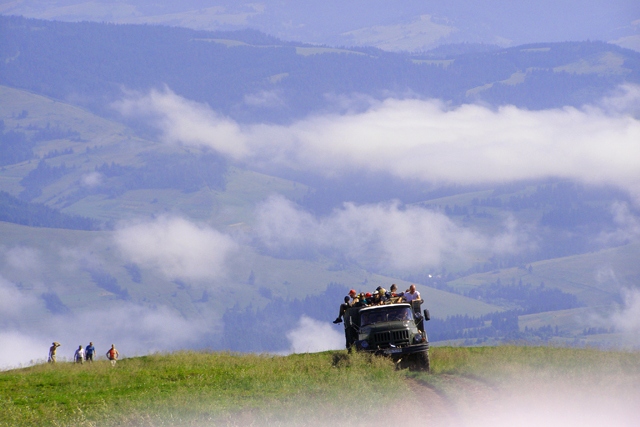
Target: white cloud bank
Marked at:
181, 120
381, 235
176, 247
23, 258
622, 319
627, 318
312, 336
424, 139
135, 330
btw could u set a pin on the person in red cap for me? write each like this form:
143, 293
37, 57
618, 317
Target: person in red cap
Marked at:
348, 302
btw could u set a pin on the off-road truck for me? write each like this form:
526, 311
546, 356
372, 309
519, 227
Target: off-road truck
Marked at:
394, 330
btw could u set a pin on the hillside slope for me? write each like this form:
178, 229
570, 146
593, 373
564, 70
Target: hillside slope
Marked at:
411, 25
253, 77
82, 165
466, 387
69, 274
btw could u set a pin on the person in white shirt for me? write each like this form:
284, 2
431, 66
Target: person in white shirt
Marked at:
79, 355
412, 294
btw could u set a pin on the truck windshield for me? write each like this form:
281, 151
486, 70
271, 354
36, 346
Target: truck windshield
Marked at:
385, 315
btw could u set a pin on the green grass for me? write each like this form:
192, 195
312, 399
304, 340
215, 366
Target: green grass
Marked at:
193, 386
202, 388
508, 362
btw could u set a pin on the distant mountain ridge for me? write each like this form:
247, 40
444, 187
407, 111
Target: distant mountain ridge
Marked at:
411, 25
92, 63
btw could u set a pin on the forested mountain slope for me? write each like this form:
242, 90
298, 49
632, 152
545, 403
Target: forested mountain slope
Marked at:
92, 63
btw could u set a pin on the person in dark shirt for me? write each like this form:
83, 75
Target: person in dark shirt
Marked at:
90, 351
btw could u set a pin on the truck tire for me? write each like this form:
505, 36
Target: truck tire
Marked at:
422, 362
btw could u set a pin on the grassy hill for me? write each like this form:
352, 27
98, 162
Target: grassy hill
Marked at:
595, 278
190, 388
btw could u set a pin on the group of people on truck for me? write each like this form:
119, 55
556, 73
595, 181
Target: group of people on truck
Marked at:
82, 354
378, 297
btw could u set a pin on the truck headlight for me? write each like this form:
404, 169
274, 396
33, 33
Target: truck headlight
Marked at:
363, 344
418, 338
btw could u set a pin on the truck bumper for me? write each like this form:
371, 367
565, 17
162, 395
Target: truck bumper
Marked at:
397, 353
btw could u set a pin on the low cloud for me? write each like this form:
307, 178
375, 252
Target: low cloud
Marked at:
627, 318
627, 226
18, 349
625, 100
623, 319
184, 121
14, 303
312, 336
176, 247
23, 258
92, 179
424, 139
380, 235
134, 329
264, 99
27, 329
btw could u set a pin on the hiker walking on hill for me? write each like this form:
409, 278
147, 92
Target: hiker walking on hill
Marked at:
90, 351
113, 354
52, 352
79, 355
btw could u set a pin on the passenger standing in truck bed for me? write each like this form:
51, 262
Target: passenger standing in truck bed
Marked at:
393, 296
382, 295
412, 294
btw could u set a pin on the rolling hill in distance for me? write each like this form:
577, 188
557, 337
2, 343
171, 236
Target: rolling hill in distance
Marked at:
167, 188
410, 26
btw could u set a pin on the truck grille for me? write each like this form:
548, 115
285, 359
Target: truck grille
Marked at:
385, 338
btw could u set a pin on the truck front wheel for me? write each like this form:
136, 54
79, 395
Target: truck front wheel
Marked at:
421, 361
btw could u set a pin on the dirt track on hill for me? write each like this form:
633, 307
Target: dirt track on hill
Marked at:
452, 400
447, 400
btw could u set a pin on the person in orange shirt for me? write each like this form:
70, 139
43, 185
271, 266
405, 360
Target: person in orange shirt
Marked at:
113, 354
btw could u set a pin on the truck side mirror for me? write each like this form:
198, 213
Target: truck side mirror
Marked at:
426, 315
